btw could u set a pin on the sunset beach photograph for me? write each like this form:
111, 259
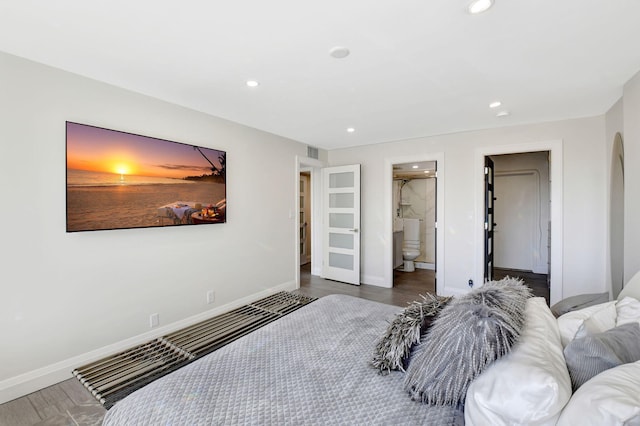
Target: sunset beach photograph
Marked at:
119, 180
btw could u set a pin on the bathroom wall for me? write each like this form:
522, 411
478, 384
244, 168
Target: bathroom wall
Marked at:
418, 201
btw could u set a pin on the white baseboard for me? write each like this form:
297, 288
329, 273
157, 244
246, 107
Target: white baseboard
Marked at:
425, 265
374, 280
541, 269
31, 381
450, 291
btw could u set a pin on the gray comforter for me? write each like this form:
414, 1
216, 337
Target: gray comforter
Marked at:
309, 367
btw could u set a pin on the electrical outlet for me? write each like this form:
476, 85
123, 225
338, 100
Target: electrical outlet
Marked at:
154, 320
471, 283
211, 297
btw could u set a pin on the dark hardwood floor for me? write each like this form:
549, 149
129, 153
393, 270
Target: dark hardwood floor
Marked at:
407, 287
66, 403
538, 283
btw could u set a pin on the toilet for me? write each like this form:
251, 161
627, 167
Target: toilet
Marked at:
410, 243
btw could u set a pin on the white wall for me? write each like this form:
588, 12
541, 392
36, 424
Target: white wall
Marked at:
631, 138
69, 297
583, 253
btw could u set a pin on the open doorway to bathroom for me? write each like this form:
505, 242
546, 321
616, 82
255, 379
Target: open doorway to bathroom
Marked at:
414, 225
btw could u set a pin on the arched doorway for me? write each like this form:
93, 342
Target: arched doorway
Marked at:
616, 216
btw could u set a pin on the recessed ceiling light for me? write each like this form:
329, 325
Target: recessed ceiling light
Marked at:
503, 114
252, 83
339, 52
350, 129
495, 104
415, 166
479, 6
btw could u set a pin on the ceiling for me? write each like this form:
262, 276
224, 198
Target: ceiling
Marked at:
415, 170
416, 68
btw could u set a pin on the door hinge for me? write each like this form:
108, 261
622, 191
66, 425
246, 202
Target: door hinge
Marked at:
486, 170
486, 226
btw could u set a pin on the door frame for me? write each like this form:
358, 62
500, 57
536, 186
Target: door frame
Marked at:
556, 209
314, 167
438, 157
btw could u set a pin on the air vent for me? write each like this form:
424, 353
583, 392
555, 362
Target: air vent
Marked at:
312, 152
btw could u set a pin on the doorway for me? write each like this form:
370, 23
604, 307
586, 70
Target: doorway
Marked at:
329, 188
520, 221
616, 219
305, 218
312, 168
414, 200
554, 147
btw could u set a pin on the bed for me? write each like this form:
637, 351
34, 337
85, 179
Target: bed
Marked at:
309, 367
314, 366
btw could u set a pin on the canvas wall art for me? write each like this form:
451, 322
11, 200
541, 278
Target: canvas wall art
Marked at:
119, 180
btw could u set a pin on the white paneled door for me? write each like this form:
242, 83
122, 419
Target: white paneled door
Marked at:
341, 224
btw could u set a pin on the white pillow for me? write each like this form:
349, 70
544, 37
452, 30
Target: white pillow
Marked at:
602, 316
599, 322
531, 384
610, 398
628, 310
631, 288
